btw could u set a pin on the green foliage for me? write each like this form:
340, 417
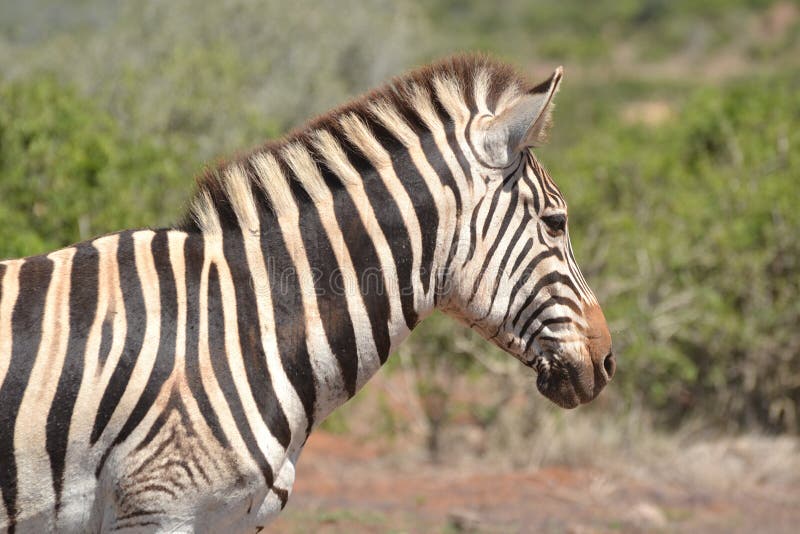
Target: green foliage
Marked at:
68, 172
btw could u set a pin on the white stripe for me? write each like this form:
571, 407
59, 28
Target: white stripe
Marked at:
30, 430
9, 299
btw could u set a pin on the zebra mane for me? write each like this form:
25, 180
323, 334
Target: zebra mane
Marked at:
229, 194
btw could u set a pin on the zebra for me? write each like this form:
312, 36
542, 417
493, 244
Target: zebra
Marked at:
167, 380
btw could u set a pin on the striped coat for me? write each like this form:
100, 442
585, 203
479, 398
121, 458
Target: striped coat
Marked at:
166, 380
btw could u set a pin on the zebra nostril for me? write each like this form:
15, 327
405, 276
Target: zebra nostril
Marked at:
610, 365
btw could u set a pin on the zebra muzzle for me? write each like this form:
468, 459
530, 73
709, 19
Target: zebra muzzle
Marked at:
567, 384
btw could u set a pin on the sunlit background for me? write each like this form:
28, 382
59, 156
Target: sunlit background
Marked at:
676, 144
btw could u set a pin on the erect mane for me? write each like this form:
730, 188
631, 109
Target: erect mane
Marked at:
211, 207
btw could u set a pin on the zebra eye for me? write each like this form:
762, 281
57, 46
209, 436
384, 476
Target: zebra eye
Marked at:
556, 223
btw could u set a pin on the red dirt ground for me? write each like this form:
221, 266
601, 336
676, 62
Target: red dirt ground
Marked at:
345, 486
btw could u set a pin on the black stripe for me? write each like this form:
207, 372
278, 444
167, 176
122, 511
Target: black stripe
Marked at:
546, 322
436, 159
553, 200
523, 253
249, 334
106, 338
540, 236
550, 278
26, 334
490, 215
194, 255
523, 279
506, 186
84, 285
154, 487
575, 270
468, 93
331, 301
473, 229
452, 141
283, 495
140, 524
513, 176
135, 314
519, 282
288, 312
572, 265
468, 97
438, 163
392, 225
165, 356
512, 206
136, 513
452, 138
174, 405
539, 174
535, 190
549, 185
219, 363
365, 260
441, 279
526, 218
419, 193
552, 301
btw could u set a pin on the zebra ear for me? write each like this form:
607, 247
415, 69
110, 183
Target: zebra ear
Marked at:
538, 105
525, 123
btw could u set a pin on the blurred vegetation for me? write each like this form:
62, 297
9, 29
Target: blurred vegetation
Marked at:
67, 173
677, 145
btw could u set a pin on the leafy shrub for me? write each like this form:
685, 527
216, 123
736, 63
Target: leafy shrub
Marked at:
68, 173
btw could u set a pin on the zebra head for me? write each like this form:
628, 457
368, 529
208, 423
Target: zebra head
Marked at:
516, 279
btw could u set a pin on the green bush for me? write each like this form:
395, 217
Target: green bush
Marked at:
69, 173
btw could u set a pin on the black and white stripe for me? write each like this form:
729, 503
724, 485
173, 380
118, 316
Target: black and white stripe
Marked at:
157, 380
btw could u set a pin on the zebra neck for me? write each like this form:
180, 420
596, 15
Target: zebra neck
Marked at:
342, 245
353, 269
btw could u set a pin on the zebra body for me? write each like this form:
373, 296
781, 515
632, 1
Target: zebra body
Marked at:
166, 380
